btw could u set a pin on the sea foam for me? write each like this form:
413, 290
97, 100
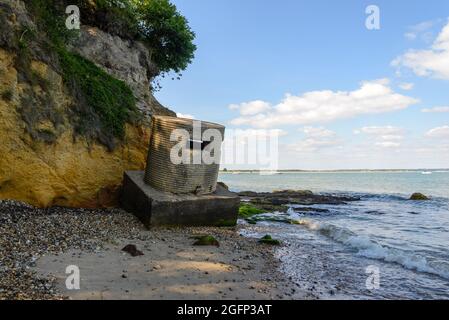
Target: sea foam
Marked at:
370, 249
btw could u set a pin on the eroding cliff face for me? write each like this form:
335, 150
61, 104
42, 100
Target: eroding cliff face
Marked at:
126, 60
42, 161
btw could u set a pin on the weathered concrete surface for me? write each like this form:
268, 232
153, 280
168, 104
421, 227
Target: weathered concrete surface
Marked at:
157, 208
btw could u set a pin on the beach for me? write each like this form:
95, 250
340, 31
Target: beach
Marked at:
331, 242
37, 245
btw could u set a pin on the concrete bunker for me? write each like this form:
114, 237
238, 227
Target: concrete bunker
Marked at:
192, 176
181, 193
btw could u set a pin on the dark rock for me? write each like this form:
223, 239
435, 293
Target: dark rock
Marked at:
132, 250
419, 197
278, 202
301, 197
224, 185
250, 194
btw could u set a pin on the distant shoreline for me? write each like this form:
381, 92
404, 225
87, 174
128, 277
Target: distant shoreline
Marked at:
336, 170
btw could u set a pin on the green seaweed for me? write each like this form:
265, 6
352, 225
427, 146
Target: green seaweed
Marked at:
269, 240
419, 197
279, 219
226, 223
206, 240
247, 211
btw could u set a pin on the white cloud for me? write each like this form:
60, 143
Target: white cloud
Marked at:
383, 136
388, 144
439, 132
261, 133
186, 116
325, 106
433, 62
318, 132
406, 86
392, 137
435, 109
315, 138
421, 30
380, 130
251, 108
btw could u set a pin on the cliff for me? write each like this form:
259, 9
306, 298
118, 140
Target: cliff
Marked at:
71, 120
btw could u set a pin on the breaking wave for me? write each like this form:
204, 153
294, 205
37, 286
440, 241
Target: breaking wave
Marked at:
370, 249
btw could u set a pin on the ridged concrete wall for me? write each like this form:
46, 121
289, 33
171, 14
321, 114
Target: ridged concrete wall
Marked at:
164, 175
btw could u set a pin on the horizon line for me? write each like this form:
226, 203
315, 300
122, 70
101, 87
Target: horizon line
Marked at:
330, 170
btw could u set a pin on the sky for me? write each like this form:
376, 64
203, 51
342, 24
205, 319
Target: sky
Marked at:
339, 95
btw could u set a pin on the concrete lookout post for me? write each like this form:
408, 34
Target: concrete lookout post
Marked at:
178, 187
195, 177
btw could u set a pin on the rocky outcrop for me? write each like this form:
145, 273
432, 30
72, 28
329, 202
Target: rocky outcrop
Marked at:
300, 197
419, 197
43, 162
126, 60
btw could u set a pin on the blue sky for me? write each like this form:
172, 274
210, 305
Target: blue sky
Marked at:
256, 52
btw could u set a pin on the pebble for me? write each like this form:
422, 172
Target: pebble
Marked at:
27, 233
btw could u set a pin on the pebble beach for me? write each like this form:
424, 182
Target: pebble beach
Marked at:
37, 244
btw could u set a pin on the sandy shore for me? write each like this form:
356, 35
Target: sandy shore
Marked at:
38, 245
172, 268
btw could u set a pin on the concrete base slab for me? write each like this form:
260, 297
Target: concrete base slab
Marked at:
157, 208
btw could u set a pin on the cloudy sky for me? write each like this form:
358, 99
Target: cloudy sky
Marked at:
341, 96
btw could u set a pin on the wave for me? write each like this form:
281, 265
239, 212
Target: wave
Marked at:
367, 248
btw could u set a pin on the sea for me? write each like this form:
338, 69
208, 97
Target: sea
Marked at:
383, 246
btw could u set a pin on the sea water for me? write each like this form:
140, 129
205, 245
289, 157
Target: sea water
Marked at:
333, 254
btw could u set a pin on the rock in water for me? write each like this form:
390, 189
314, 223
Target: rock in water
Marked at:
419, 196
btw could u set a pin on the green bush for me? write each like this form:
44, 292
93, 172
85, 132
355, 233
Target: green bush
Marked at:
51, 19
167, 33
157, 22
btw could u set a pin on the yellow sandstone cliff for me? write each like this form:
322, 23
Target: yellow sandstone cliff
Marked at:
65, 172
44, 161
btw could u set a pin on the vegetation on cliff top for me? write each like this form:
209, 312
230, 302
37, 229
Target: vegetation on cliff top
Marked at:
155, 22
102, 103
